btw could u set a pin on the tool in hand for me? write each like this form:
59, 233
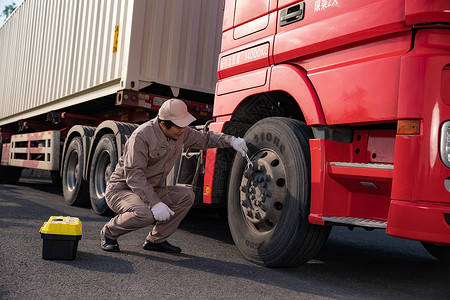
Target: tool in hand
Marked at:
249, 162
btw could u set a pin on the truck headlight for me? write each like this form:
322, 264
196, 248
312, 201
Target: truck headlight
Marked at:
445, 143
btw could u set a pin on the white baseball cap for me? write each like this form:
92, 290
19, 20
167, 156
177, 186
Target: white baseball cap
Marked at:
175, 110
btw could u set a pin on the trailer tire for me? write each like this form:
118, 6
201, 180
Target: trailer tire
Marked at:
3, 172
104, 162
268, 206
75, 189
441, 252
10, 174
13, 175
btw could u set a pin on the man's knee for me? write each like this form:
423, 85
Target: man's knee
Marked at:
187, 196
144, 215
190, 198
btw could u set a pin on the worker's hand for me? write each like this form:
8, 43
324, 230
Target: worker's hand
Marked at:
240, 145
161, 212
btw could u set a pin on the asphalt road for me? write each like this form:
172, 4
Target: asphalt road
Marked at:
352, 265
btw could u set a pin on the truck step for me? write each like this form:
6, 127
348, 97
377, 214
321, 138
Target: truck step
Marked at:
374, 171
356, 222
362, 165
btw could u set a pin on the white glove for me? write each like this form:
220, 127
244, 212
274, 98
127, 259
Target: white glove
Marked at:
161, 212
239, 145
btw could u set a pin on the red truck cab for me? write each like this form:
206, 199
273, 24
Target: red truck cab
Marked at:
345, 106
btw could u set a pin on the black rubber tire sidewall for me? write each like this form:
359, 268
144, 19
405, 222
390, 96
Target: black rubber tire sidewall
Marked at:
107, 143
13, 175
279, 247
3, 172
79, 196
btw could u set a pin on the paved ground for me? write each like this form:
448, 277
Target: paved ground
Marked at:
352, 265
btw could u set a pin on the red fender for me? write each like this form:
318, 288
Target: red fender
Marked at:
293, 80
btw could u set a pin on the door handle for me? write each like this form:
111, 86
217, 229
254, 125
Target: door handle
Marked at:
292, 14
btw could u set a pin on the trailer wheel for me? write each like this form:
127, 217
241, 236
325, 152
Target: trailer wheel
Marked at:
3, 170
104, 162
10, 175
75, 189
439, 251
13, 175
268, 205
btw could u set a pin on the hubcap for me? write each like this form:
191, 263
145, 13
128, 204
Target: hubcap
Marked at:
263, 191
73, 171
102, 174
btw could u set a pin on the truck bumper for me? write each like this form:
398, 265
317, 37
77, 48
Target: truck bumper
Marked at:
419, 221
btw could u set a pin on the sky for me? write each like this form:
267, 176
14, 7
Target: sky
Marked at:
3, 3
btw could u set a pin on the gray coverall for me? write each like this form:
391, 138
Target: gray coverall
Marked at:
136, 184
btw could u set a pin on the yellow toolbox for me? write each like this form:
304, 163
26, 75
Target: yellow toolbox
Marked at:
61, 236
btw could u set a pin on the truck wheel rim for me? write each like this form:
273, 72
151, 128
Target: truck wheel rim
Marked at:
260, 207
73, 171
102, 174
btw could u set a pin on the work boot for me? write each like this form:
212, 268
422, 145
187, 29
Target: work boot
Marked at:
161, 247
108, 244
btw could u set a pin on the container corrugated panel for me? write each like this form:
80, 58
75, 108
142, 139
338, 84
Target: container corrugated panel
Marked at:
54, 50
182, 43
54, 54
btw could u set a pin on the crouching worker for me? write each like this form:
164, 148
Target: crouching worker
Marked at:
135, 190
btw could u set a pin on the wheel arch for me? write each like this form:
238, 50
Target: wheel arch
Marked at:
121, 131
295, 98
301, 89
249, 111
264, 105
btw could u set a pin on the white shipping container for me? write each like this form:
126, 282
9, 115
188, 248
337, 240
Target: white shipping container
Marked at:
57, 53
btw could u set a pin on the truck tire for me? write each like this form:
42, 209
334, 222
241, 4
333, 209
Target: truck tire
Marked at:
441, 252
13, 175
268, 205
75, 189
10, 175
3, 171
104, 162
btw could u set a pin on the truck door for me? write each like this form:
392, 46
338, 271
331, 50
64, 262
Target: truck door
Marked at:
310, 26
344, 43
248, 30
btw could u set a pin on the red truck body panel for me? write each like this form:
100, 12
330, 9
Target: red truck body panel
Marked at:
361, 65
